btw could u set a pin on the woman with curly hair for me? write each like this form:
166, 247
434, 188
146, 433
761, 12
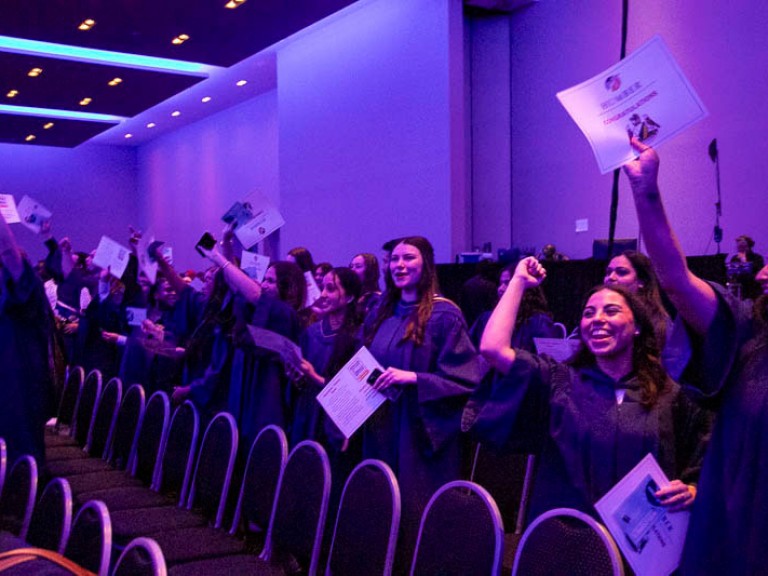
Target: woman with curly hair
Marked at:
594, 418
431, 368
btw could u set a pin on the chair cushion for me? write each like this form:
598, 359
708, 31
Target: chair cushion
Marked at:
130, 524
101, 481
129, 498
75, 467
198, 543
240, 564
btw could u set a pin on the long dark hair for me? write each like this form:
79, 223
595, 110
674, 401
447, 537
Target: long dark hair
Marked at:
345, 344
215, 315
303, 259
649, 290
646, 350
291, 285
427, 290
370, 273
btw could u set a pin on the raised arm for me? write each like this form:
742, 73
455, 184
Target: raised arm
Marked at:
9, 252
694, 299
495, 343
238, 281
168, 272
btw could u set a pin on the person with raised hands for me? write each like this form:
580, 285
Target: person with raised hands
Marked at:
594, 417
729, 372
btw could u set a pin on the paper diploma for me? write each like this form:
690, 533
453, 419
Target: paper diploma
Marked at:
348, 399
650, 537
32, 214
147, 264
135, 316
254, 265
313, 291
110, 254
289, 352
646, 94
8, 209
253, 220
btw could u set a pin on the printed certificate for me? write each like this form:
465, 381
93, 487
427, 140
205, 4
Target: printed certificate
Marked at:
110, 254
650, 537
645, 95
289, 352
8, 209
558, 348
255, 265
253, 220
349, 399
32, 214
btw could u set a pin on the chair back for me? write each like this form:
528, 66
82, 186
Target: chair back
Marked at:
154, 428
90, 543
142, 557
213, 473
461, 533
18, 497
178, 455
298, 514
266, 460
103, 423
86, 407
366, 526
567, 541
69, 396
127, 427
52, 519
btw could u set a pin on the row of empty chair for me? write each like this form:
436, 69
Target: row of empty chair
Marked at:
46, 523
144, 464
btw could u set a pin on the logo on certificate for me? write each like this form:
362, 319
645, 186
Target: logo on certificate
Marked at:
613, 83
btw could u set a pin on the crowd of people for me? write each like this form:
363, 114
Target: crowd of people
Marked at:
649, 376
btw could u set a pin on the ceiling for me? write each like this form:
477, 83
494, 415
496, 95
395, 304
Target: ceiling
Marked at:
123, 80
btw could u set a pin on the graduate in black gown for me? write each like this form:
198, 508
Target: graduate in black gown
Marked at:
422, 341
325, 346
595, 417
26, 353
729, 370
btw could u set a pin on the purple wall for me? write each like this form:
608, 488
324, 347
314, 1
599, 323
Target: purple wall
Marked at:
555, 178
190, 177
90, 190
372, 130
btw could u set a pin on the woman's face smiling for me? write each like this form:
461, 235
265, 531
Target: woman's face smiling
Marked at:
620, 271
406, 266
357, 265
608, 326
332, 298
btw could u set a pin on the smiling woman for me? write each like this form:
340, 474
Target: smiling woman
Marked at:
595, 417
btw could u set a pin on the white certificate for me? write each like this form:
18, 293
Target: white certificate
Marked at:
313, 291
32, 214
110, 254
255, 265
348, 399
289, 352
135, 316
8, 209
645, 95
650, 537
253, 220
558, 348
147, 264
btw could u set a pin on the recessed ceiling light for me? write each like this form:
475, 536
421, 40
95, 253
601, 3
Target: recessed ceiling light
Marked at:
242, 82
129, 135
48, 126
115, 81
85, 101
206, 99
232, 4
175, 113
87, 24
180, 39
35, 72
30, 138
151, 125
12, 93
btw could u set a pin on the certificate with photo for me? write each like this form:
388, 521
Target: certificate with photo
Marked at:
253, 220
147, 263
254, 265
348, 398
560, 349
649, 536
33, 214
112, 255
135, 316
646, 95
